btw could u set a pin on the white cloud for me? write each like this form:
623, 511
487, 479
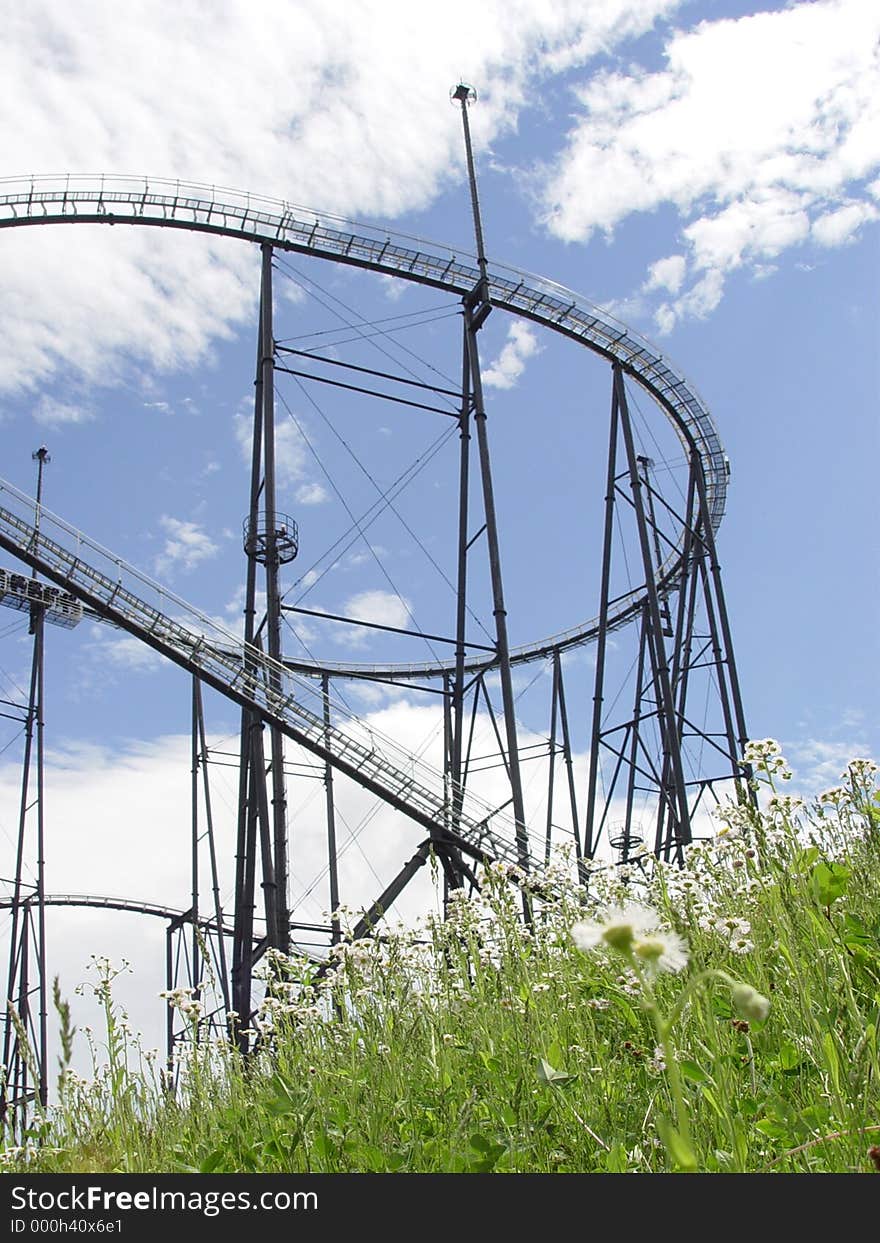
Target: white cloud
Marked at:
291, 453
819, 762
755, 131
311, 494
51, 413
520, 346
838, 227
667, 274
382, 608
128, 653
85, 91
187, 545
309, 579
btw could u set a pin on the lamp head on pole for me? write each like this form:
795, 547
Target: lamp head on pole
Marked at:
462, 94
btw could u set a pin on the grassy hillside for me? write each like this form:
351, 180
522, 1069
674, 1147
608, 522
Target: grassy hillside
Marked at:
720, 1017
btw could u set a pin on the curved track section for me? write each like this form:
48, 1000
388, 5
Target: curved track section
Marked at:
120, 904
210, 209
246, 675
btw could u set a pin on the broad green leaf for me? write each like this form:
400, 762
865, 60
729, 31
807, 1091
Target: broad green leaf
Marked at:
490, 1153
829, 882
805, 858
212, 1161
555, 1054
616, 1161
855, 932
772, 1128
690, 1070
789, 1058
680, 1151
628, 1012
549, 1074
710, 1098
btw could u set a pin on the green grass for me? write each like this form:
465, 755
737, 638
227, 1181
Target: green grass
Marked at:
477, 1044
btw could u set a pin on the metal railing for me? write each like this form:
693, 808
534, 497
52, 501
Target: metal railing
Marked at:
217, 209
204, 646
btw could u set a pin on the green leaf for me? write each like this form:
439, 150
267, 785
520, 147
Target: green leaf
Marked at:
832, 1059
616, 1161
828, 882
855, 932
711, 1099
805, 858
815, 1117
789, 1058
490, 1153
690, 1070
682, 1155
628, 1012
549, 1074
772, 1128
212, 1161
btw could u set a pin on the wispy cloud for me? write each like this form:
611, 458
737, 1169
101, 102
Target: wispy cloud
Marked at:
84, 91
291, 454
819, 762
508, 367
311, 494
382, 608
51, 413
186, 546
762, 132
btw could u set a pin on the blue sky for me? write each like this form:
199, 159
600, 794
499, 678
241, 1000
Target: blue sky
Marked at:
708, 171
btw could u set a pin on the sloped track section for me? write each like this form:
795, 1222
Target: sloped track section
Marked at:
214, 210
122, 594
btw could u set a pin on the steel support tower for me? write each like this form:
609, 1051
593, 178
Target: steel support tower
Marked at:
651, 758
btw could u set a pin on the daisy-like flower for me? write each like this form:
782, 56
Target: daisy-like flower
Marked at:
860, 769
731, 926
661, 951
835, 795
784, 804
618, 929
634, 932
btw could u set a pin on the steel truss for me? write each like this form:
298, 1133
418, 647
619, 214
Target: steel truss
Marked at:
682, 634
663, 757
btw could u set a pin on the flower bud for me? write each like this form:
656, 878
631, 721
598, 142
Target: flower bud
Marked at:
749, 1003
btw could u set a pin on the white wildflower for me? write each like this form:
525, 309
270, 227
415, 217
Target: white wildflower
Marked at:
657, 1064
618, 929
661, 951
